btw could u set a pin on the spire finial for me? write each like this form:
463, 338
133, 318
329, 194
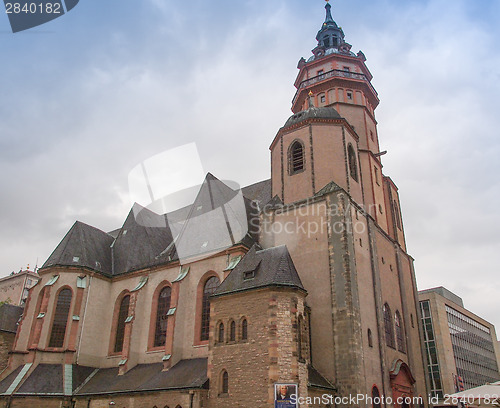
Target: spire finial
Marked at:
329, 18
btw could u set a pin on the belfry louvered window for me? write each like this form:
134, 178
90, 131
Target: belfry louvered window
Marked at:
162, 316
210, 287
297, 162
120, 327
60, 322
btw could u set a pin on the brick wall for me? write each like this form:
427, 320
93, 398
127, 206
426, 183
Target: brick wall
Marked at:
269, 355
6, 342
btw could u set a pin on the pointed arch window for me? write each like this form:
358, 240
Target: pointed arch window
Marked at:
224, 388
399, 332
60, 322
120, 327
353, 166
164, 299
376, 400
244, 329
220, 336
300, 324
232, 331
397, 215
296, 157
209, 289
389, 330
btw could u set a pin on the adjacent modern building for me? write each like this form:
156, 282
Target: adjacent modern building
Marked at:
15, 287
301, 282
462, 348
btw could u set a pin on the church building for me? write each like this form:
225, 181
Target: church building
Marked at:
302, 280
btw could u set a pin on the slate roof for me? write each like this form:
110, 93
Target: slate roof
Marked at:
258, 269
9, 316
316, 379
313, 112
7, 381
84, 246
186, 374
45, 379
260, 192
220, 217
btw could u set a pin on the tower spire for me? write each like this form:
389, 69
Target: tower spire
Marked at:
330, 35
329, 18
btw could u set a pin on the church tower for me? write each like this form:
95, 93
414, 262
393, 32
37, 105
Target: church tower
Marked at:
339, 216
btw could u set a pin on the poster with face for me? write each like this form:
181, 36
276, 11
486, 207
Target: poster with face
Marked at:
285, 395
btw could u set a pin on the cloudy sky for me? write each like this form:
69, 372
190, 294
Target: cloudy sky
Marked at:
88, 96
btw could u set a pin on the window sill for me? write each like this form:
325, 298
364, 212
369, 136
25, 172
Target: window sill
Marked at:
155, 350
293, 173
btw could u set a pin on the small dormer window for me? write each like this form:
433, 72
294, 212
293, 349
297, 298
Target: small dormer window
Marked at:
248, 275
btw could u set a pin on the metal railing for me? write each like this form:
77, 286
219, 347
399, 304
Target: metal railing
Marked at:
335, 73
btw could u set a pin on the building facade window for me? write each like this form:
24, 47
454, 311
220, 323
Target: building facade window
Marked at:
220, 333
296, 157
431, 351
209, 289
224, 388
120, 324
353, 166
244, 329
397, 215
473, 349
399, 332
389, 330
61, 313
376, 400
300, 324
370, 338
232, 331
164, 299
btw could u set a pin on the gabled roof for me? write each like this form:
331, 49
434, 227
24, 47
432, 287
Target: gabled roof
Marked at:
219, 218
83, 246
143, 236
259, 269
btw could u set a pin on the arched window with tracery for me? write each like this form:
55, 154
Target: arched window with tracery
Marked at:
399, 332
209, 289
353, 166
389, 330
244, 329
60, 321
296, 157
164, 298
120, 324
